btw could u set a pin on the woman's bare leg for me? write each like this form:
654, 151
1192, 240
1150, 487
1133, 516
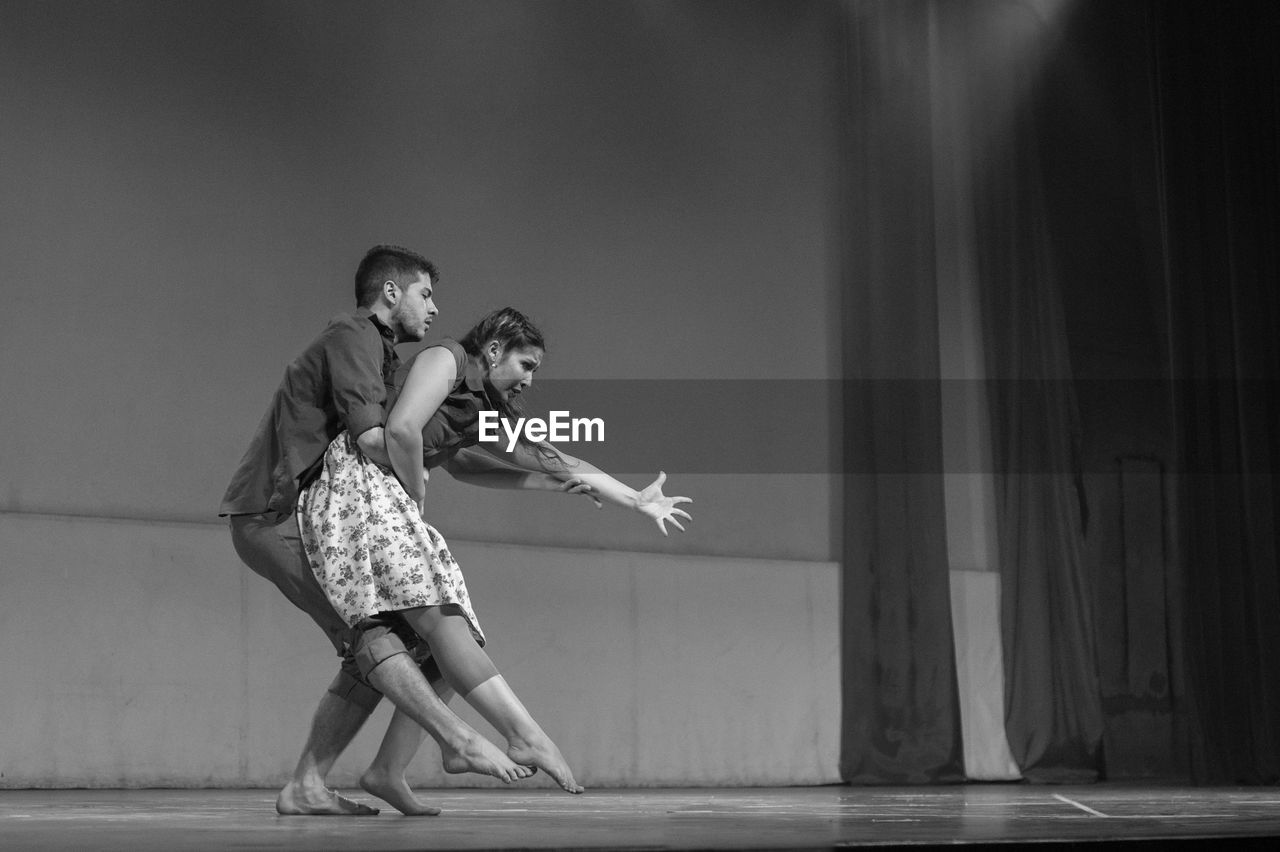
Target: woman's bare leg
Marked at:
473, 675
527, 743
385, 777
399, 676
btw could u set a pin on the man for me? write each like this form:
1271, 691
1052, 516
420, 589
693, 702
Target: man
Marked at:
339, 383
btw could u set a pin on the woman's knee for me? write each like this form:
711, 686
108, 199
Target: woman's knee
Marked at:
440, 621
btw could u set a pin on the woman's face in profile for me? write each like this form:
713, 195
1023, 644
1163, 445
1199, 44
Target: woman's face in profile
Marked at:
514, 371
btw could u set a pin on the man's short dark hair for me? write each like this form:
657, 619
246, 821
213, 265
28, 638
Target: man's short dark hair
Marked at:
389, 263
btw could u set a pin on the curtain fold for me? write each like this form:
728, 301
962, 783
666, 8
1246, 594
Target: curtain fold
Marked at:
901, 711
1053, 711
1217, 91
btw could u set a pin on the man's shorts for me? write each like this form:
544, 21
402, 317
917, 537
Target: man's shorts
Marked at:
272, 547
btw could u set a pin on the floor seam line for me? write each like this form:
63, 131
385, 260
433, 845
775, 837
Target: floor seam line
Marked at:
1084, 808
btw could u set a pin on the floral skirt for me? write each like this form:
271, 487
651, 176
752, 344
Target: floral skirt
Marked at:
369, 548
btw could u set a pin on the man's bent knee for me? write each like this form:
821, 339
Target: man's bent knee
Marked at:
375, 641
355, 691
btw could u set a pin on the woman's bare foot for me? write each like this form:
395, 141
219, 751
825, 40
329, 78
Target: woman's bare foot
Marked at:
295, 800
395, 792
541, 752
479, 755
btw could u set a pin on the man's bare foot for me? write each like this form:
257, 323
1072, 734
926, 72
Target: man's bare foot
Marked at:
541, 752
295, 800
483, 757
395, 792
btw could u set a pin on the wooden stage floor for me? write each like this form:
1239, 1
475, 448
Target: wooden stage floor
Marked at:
977, 816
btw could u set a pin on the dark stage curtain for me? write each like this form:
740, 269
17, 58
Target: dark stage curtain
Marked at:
1217, 92
900, 705
1053, 713
1215, 143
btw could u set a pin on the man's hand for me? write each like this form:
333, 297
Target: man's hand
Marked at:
422, 504
577, 486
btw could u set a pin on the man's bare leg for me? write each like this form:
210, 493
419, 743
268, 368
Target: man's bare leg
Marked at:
400, 680
385, 777
334, 725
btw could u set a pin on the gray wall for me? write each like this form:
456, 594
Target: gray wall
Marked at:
186, 189
167, 667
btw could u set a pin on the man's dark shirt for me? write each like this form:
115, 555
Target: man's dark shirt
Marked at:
339, 382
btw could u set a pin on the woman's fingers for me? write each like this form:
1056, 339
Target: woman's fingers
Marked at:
670, 516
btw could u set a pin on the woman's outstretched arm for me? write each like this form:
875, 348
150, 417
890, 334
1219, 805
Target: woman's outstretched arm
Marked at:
475, 467
650, 501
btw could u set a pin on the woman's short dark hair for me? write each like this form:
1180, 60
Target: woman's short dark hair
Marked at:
512, 329
384, 263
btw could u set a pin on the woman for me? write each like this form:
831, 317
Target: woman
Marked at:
373, 553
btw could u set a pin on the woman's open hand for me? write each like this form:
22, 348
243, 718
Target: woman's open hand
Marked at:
653, 503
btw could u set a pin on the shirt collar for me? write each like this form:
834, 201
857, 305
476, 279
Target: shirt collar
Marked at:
382, 327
